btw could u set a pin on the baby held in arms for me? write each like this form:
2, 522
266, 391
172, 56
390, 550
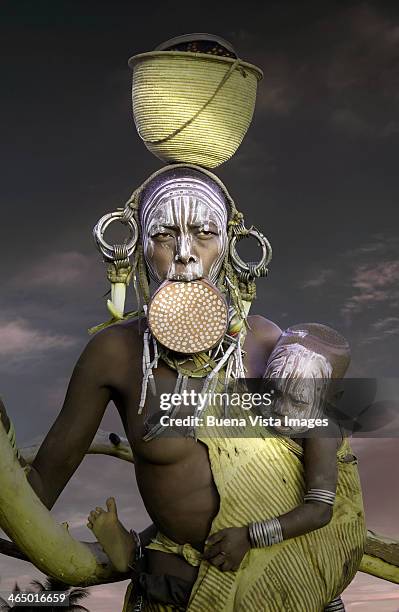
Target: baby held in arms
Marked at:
303, 373
303, 369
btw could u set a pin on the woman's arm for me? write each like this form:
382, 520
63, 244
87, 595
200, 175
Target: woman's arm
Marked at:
68, 440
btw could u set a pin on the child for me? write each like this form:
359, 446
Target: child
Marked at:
304, 368
304, 364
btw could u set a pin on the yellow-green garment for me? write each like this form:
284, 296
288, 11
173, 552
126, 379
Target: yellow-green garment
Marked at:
259, 478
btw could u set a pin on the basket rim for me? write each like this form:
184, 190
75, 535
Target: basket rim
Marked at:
135, 59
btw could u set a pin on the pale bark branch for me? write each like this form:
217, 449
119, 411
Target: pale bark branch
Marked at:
379, 568
104, 443
48, 545
385, 548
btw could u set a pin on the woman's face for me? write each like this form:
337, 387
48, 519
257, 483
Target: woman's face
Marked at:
185, 239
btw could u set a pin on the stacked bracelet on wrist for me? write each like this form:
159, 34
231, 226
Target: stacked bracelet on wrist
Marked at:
139, 549
320, 495
265, 533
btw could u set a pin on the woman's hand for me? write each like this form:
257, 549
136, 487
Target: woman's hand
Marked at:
227, 548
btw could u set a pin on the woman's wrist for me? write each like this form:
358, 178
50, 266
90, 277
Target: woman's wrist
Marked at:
138, 550
265, 533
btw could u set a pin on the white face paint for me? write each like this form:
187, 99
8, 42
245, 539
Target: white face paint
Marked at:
301, 378
184, 228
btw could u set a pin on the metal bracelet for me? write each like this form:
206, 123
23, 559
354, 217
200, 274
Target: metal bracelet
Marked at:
265, 533
139, 554
335, 605
320, 495
138, 604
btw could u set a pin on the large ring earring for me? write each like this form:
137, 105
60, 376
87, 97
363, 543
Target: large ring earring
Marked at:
250, 270
119, 270
112, 253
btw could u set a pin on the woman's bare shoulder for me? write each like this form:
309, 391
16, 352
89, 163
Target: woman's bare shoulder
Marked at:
117, 340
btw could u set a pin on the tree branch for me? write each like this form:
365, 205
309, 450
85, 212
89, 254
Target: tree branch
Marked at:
384, 548
379, 568
48, 545
104, 443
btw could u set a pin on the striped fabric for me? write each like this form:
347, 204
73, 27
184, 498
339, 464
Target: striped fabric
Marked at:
257, 479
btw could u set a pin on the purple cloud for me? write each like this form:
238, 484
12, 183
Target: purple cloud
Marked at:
66, 269
319, 279
374, 283
20, 341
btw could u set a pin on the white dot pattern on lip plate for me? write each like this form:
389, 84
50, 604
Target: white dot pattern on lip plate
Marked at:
188, 317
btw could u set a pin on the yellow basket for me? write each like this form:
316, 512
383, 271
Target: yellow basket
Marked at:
192, 107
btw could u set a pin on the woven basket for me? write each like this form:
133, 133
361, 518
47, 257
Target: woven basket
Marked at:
192, 107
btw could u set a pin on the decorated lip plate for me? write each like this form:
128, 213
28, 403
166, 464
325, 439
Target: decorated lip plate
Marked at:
188, 317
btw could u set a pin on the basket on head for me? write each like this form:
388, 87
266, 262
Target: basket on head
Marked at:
193, 106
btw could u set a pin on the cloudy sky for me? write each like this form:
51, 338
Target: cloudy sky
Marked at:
317, 173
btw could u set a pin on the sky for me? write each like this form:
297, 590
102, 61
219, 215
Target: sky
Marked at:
317, 173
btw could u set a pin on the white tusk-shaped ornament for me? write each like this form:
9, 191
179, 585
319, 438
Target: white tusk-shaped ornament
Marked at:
116, 305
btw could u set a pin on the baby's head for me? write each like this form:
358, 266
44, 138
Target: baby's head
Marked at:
304, 369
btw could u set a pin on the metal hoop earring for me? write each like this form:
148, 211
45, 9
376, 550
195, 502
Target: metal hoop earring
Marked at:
119, 270
250, 270
110, 252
